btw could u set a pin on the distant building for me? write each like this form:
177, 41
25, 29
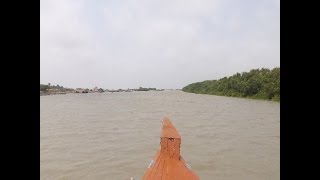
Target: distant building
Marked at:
80, 90
100, 90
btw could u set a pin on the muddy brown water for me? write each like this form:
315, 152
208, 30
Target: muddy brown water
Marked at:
99, 136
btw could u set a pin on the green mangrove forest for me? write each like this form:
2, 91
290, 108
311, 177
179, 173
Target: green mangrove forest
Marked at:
261, 83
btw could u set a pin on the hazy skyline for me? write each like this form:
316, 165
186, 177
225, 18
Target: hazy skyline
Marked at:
162, 44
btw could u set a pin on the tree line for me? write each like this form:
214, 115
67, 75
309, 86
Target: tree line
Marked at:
46, 87
258, 83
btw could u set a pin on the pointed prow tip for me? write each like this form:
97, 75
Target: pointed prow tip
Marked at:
168, 130
166, 122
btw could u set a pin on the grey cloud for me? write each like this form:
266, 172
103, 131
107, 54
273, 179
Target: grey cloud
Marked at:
164, 44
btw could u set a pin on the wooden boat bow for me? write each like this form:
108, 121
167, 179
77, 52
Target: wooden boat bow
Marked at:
168, 164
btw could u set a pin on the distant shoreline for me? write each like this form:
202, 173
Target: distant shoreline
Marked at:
49, 89
252, 98
109, 92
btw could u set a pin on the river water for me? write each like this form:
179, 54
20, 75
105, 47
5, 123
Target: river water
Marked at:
100, 136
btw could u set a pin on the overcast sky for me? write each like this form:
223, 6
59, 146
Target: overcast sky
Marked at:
162, 44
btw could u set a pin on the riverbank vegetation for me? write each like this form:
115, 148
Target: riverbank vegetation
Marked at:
46, 87
258, 84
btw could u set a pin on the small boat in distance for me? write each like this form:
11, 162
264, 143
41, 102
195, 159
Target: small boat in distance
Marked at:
168, 164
